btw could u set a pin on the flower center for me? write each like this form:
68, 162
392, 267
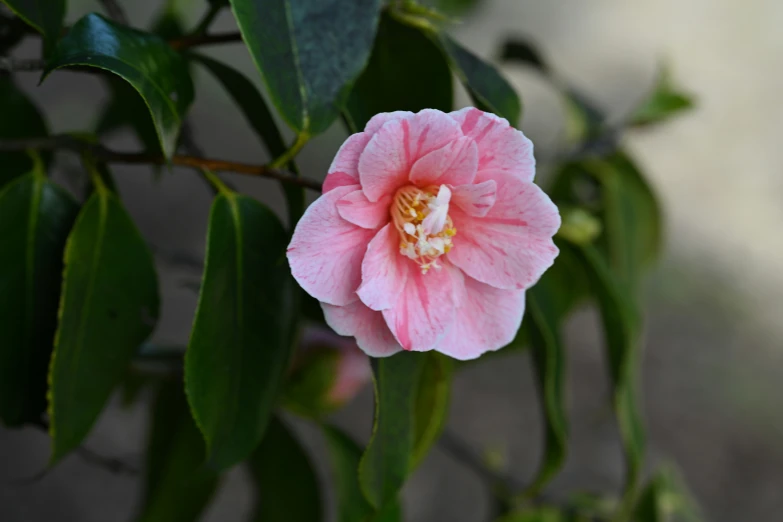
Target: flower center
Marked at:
421, 217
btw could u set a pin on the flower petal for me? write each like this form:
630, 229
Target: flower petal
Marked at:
344, 169
356, 208
487, 319
377, 121
383, 270
368, 326
512, 245
326, 251
475, 200
454, 164
386, 162
501, 148
424, 310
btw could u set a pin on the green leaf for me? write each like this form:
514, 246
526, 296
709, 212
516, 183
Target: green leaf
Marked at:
244, 327
35, 218
541, 514
389, 455
12, 31
344, 454
126, 107
257, 114
109, 306
306, 390
178, 486
401, 57
525, 52
309, 52
288, 488
488, 88
664, 102
548, 352
20, 120
632, 217
144, 60
432, 404
621, 324
46, 18
666, 499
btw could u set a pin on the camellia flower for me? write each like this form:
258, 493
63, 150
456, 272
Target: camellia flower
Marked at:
427, 234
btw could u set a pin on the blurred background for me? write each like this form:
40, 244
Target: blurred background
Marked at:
713, 352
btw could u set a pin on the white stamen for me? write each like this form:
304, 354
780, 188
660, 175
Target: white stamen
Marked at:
439, 210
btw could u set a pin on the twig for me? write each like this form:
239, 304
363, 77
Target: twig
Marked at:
114, 11
111, 464
20, 64
208, 18
104, 154
195, 40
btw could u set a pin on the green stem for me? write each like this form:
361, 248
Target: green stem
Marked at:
207, 20
285, 158
216, 182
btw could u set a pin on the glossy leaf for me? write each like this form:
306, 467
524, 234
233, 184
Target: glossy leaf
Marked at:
488, 88
20, 120
524, 51
177, 485
288, 489
46, 18
35, 218
401, 57
432, 404
109, 306
389, 455
309, 52
144, 60
242, 335
549, 362
258, 115
664, 102
621, 324
631, 215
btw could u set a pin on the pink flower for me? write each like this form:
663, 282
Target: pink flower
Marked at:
427, 234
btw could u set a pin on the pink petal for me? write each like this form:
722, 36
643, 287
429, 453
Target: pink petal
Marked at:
383, 270
357, 209
326, 251
368, 326
475, 200
386, 161
501, 147
344, 168
377, 121
425, 309
512, 245
487, 319
455, 164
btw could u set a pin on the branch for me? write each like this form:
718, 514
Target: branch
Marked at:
102, 153
114, 11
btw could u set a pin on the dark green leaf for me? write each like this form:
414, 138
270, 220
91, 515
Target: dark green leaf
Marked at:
287, 485
524, 51
306, 390
663, 102
666, 499
402, 56
308, 52
432, 404
541, 514
631, 215
126, 107
548, 353
46, 18
243, 328
621, 323
389, 455
20, 120
12, 30
456, 7
35, 218
144, 60
178, 486
489, 90
109, 306
345, 454
257, 114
